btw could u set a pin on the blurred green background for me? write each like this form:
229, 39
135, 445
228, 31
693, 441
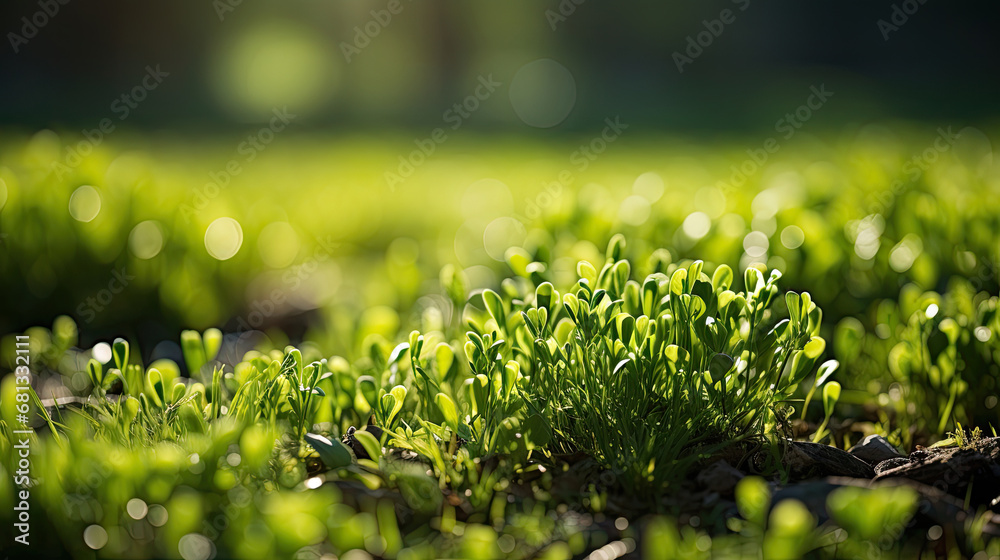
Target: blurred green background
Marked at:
188, 164
344, 69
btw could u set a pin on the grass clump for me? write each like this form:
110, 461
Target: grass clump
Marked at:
645, 373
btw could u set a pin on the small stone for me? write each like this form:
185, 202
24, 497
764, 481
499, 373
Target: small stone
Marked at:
889, 464
719, 477
874, 449
815, 460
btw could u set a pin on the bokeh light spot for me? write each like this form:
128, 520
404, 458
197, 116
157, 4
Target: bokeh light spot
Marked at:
983, 334
95, 536
634, 210
278, 244
649, 185
502, 234
223, 238
486, 199
84, 203
157, 515
101, 352
195, 547
136, 508
403, 251
792, 237
542, 93
711, 201
756, 244
271, 66
146, 240
697, 225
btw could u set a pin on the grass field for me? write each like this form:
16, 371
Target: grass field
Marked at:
293, 346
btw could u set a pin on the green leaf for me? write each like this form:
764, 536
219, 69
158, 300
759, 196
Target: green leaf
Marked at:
518, 260
621, 365
725, 298
825, 371
154, 381
535, 431
333, 453
368, 391
678, 281
625, 326
543, 295
479, 396
448, 410
130, 409
120, 350
650, 291
445, 357
178, 392
753, 499
194, 351
831, 394
723, 278
586, 271
697, 308
720, 366
295, 357
370, 444
387, 403
793, 303
397, 353
494, 304
391, 403
96, 373
416, 344
753, 280
815, 347
616, 247
191, 418
509, 375
676, 354
213, 342
620, 273
400, 393
631, 297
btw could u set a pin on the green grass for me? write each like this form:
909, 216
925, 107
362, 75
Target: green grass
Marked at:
497, 369
545, 373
